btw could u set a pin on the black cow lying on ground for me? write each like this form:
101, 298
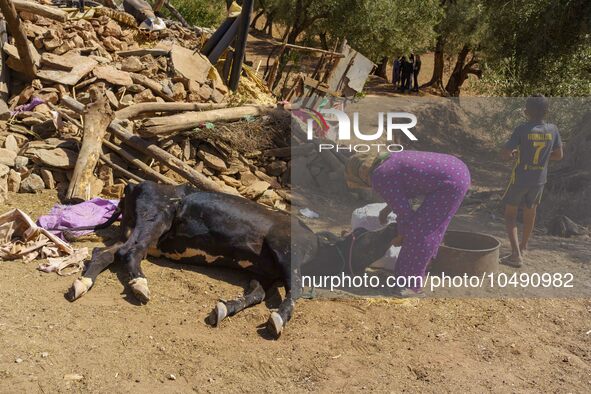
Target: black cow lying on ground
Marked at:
179, 222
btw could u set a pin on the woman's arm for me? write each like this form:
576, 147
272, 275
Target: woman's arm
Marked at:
384, 214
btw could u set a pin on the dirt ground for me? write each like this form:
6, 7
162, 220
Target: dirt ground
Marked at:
341, 344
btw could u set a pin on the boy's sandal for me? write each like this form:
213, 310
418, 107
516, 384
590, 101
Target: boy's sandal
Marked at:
507, 260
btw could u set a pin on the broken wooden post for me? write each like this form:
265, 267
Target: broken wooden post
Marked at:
20, 38
240, 46
97, 117
224, 42
4, 74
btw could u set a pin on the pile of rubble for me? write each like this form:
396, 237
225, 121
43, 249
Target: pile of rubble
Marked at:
111, 104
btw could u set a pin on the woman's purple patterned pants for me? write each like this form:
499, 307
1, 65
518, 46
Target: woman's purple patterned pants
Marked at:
443, 180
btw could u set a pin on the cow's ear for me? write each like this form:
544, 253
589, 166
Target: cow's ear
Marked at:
128, 189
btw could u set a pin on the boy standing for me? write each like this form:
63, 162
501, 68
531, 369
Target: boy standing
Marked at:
533, 144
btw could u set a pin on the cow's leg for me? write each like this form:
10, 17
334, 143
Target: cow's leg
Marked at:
278, 319
292, 279
253, 296
145, 234
101, 259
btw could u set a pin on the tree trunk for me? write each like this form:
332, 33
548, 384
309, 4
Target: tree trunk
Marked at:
382, 69
268, 28
323, 40
253, 24
461, 71
438, 65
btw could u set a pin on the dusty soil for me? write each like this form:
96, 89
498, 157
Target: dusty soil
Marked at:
341, 344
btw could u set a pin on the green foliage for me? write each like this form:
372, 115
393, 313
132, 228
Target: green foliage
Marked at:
538, 46
376, 28
523, 46
202, 13
464, 23
565, 75
380, 28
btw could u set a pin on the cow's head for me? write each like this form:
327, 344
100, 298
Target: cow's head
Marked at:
352, 253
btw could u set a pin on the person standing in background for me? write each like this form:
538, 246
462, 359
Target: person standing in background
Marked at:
406, 74
416, 70
396, 72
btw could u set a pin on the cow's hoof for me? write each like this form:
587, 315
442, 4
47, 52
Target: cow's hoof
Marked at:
219, 313
275, 324
139, 286
79, 288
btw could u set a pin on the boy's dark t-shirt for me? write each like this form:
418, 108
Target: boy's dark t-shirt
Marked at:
535, 142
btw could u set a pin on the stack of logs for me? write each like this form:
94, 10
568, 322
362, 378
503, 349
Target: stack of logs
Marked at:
90, 104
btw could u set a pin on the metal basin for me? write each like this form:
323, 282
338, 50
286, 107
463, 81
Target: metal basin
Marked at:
464, 252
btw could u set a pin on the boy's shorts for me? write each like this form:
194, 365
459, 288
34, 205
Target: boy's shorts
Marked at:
518, 195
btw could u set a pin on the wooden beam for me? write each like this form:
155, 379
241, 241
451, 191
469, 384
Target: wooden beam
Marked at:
240, 45
20, 38
4, 74
190, 120
303, 48
97, 117
120, 169
137, 109
196, 178
39, 9
138, 163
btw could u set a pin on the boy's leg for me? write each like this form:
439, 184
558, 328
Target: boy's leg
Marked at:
529, 220
532, 200
511, 226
